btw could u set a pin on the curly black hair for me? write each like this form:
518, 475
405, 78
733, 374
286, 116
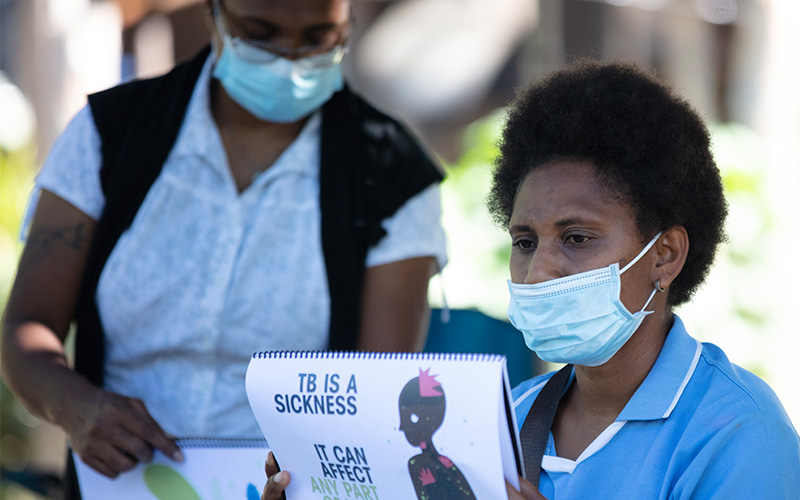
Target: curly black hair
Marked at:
649, 146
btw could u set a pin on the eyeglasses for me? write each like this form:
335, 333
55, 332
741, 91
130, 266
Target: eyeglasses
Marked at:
308, 57
317, 56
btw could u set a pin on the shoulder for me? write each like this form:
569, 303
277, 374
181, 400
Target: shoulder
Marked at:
380, 131
729, 410
350, 102
741, 442
530, 387
160, 93
127, 94
724, 383
525, 393
184, 72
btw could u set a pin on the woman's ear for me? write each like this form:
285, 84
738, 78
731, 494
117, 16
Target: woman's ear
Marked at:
671, 250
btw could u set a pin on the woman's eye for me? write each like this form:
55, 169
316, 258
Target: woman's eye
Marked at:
524, 244
577, 239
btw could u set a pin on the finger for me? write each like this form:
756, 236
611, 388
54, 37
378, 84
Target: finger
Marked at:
275, 485
98, 451
110, 461
100, 467
120, 462
513, 494
270, 466
130, 444
528, 490
105, 442
155, 435
110, 436
144, 427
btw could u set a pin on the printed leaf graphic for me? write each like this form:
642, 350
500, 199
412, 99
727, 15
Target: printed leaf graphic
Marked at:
166, 484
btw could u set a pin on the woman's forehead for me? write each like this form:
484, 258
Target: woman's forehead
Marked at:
560, 192
336, 11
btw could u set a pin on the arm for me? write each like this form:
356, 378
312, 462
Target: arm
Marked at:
108, 431
394, 305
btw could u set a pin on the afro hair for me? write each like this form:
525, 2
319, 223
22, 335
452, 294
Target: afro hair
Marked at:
648, 145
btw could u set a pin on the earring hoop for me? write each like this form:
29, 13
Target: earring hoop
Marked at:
659, 287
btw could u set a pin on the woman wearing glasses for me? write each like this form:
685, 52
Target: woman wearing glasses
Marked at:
246, 201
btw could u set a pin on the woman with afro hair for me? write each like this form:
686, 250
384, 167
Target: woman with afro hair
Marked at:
607, 186
615, 208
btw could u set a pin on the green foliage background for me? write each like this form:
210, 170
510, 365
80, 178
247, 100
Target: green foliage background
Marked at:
17, 170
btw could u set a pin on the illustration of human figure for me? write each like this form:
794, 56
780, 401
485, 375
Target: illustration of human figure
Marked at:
422, 406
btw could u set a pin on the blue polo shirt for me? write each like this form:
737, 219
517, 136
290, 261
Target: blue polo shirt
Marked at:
698, 427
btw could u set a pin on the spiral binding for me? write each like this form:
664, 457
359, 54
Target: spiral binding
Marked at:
209, 442
425, 356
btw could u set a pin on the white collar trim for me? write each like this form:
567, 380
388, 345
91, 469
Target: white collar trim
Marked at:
688, 376
552, 463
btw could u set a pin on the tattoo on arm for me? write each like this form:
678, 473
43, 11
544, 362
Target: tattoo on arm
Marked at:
42, 242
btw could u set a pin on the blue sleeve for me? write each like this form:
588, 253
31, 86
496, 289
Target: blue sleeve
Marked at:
754, 456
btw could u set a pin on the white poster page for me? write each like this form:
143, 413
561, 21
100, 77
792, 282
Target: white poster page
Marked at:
213, 469
385, 426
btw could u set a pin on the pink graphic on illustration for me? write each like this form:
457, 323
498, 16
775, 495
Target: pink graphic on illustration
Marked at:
422, 408
429, 387
426, 477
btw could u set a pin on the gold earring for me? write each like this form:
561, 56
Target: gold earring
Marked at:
659, 287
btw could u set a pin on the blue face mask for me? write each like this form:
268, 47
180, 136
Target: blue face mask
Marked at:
274, 88
576, 319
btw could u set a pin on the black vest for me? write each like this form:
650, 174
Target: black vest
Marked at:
369, 167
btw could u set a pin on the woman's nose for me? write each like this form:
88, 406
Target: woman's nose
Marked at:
542, 266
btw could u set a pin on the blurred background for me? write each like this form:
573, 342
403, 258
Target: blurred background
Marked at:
447, 67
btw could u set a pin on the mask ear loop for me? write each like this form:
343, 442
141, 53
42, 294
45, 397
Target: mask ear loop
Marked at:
634, 261
219, 22
644, 251
652, 294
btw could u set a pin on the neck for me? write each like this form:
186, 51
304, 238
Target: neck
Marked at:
603, 391
251, 145
427, 447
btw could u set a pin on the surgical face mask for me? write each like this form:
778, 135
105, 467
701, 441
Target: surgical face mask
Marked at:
576, 319
274, 88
